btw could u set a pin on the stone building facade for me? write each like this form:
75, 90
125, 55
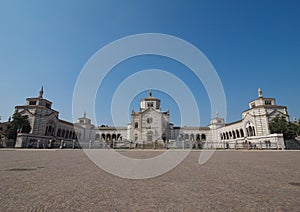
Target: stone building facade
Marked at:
46, 128
253, 128
151, 125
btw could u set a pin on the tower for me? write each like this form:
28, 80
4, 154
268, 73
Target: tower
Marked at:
42, 118
261, 112
259, 92
41, 93
150, 102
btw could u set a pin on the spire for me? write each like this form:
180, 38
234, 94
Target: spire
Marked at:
41, 92
150, 92
295, 120
259, 92
84, 114
217, 115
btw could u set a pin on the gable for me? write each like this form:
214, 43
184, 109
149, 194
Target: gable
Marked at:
276, 112
150, 111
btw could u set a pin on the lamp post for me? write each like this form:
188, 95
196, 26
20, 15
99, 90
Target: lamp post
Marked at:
61, 144
50, 142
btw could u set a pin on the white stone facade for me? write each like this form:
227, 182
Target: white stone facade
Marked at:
149, 125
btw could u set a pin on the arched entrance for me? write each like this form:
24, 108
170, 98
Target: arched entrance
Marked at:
149, 136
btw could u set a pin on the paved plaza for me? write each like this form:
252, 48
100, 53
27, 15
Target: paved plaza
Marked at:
66, 180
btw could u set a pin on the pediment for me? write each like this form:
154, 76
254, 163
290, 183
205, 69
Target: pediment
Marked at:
150, 110
276, 112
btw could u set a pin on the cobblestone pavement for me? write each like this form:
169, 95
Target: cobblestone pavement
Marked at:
66, 180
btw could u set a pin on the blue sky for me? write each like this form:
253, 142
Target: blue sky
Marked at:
251, 44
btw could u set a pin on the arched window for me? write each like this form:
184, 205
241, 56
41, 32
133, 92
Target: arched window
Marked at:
58, 133
164, 137
97, 137
242, 133
149, 120
192, 137
197, 137
103, 136
63, 133
186, 136
119, 137
136, 125
233, 134
250, 129
203, 137
181, 136
50, 128
237, 133
67, 134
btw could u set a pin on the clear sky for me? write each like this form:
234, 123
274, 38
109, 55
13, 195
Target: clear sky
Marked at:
250, 43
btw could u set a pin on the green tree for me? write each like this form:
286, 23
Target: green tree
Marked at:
280, 125
19, 124
298, 130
